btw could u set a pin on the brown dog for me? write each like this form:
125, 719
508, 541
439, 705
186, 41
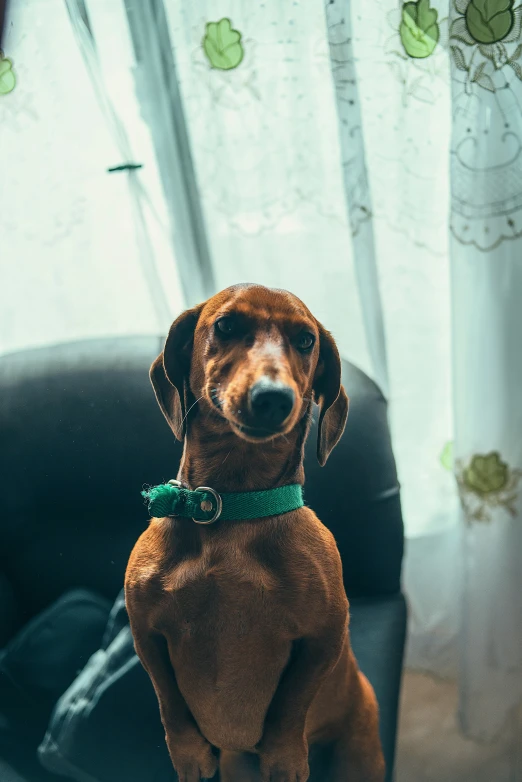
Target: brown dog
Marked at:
243, 625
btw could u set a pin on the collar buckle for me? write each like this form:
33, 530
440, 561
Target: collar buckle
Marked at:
218, 505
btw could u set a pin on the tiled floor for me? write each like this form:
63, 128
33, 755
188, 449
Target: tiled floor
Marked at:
430, 749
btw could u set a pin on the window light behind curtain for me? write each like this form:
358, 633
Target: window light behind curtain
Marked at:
82, 252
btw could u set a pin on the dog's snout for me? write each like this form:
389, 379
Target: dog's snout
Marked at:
271, 402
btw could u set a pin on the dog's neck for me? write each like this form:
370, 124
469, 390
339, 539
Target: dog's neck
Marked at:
215, 456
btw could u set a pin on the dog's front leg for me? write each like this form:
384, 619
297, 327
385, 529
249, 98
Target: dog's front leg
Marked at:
283, 750
190, 752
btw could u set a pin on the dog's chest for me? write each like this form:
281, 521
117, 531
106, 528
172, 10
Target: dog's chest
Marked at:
229, 593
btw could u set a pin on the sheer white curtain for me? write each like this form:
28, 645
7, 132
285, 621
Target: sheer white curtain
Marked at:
82, 251
323, 136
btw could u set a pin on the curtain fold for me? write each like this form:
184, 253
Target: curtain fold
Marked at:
158, 91
356, 184
83, 32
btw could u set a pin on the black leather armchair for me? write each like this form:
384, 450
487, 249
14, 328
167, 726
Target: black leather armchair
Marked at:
80, 434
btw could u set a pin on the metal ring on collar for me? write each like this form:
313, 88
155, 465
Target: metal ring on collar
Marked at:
219, 505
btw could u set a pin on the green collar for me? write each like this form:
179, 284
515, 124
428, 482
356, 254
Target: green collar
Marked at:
204, 505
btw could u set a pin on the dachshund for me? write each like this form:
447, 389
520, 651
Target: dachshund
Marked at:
242, 625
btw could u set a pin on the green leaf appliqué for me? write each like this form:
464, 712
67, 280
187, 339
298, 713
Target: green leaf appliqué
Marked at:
419, 30
458, 56
446, 457
222, 45
489, 21
486, 473
487, 484
7, 77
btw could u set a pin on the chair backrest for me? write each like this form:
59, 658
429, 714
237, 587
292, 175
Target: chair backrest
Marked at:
80, 435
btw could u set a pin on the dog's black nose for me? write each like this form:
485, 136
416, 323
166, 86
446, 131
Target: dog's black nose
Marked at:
271, 402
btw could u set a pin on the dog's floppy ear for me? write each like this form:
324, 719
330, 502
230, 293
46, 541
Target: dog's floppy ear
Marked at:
330, 396
169, 373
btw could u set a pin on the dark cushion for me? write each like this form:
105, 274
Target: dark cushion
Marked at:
19, 762
10, 615
81, 433
42, 660
8, 773
107, 724
36, 667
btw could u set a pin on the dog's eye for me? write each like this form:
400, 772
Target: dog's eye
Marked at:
305, 341
225, 326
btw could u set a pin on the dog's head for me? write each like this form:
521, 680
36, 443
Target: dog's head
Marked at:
256, 357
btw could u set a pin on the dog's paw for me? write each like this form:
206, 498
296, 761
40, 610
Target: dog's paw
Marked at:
286, 762
193, 771
193, 759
